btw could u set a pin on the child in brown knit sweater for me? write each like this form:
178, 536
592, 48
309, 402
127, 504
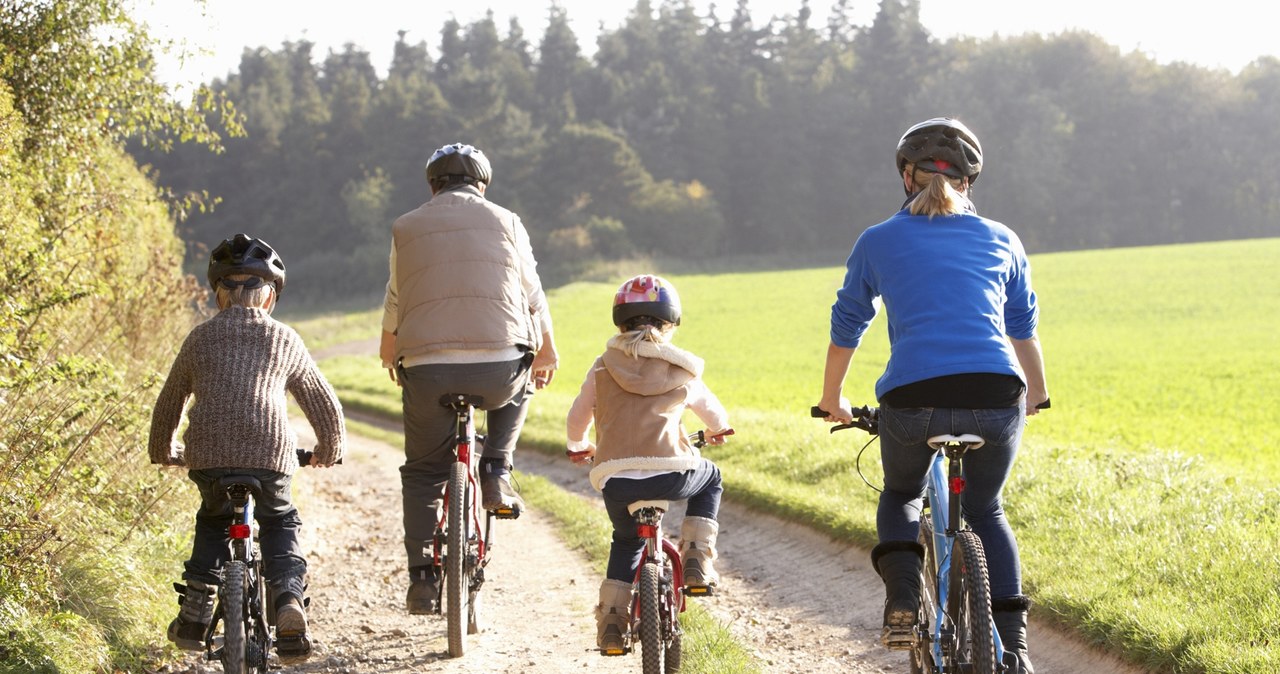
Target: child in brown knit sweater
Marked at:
236, 368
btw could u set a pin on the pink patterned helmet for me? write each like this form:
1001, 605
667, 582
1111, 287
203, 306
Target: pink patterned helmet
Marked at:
646, 295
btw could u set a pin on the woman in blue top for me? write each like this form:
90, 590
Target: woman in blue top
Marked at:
964, 358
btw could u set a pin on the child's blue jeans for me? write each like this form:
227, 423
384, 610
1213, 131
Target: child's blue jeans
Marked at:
701, 486
278, 523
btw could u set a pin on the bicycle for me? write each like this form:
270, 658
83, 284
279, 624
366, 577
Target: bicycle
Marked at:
459, 550
244, 606
656, 604
962, 637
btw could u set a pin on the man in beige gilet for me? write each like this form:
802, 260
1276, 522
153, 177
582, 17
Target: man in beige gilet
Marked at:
464, 313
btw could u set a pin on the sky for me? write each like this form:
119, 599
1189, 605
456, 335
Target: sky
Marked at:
206, 40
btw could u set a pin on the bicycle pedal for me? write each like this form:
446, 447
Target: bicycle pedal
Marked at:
612, 652
897, 640
698, 591
293, 648
506, 513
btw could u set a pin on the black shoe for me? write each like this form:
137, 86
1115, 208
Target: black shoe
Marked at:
424, 592
497, 494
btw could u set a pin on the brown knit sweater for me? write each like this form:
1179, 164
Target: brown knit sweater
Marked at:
237, 367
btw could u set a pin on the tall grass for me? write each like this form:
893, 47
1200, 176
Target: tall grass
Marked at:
1145, 501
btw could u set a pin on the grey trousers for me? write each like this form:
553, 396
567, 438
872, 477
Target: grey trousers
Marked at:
429, 434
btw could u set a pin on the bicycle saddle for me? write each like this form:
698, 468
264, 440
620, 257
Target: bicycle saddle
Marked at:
456, 400
968, 439
637, 505
228, 481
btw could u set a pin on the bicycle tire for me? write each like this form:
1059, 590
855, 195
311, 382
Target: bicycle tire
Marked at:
231, 599
969, 606
921, 657
457, 580
261, 642
651, 646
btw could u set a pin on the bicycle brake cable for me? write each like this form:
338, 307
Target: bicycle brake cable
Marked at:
858, 464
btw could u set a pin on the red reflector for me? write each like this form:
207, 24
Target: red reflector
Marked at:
239, 530
646, 531
957, 485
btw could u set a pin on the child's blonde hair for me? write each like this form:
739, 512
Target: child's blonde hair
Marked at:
655, 330
261, 295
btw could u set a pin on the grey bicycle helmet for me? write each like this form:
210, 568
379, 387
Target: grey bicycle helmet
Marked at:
243, 254
942, 145
459, 160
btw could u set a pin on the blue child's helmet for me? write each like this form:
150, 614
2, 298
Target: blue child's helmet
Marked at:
242, 254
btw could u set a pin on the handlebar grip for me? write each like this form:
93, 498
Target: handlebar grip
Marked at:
817, 412
304, 457
1044, 405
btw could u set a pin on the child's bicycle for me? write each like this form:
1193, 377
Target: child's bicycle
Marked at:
954, 631
658, 591
244, 608
460, 550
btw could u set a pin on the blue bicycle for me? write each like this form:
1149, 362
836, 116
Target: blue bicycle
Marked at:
954, 630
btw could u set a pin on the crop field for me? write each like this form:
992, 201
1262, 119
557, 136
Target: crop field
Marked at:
1145, 501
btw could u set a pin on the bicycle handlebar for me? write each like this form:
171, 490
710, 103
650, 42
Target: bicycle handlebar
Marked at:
304, 457
866, 418
700, 439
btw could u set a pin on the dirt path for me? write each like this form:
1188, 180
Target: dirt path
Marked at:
802, 602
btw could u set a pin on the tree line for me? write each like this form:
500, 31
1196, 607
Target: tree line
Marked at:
688, 136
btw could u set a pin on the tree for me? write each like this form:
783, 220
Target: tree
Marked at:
94, 301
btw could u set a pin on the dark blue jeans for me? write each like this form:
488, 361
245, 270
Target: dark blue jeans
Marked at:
278, 525
701, 486
906, 458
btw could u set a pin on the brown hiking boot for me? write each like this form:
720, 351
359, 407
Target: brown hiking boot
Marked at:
188, 629
424, 592
292, 643
498, 494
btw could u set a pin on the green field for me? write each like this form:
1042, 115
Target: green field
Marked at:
1145, 501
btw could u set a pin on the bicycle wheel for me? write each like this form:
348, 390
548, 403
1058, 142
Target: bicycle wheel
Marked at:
922, 655
969, 606
671, 619
651, 647
231, 599
457, 580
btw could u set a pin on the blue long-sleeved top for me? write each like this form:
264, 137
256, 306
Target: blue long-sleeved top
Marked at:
953, 287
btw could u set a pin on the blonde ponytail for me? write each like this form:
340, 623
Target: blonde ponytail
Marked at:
941, 195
